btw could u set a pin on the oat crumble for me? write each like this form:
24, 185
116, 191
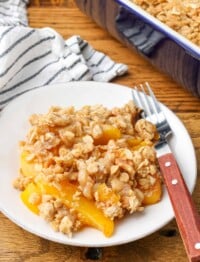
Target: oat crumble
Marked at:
181, 15
106, 154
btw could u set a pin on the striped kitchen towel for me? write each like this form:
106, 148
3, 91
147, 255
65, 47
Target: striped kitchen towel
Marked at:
32, 58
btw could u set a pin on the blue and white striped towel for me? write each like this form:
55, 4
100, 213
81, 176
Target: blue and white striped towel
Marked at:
32, 58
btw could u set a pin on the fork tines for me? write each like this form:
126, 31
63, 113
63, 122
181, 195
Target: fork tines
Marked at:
144, 98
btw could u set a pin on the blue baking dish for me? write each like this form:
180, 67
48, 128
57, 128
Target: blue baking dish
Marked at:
166, 49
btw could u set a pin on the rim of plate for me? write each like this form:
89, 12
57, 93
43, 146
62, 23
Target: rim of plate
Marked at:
58, 237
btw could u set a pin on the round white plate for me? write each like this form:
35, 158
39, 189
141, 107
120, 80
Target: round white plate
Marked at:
14, 126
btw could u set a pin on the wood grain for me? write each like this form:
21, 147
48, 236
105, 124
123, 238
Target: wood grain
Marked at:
17, 245
43, 3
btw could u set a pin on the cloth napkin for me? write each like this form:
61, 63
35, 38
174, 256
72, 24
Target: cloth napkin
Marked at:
32, 58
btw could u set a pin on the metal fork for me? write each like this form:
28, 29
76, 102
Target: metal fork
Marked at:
187, 217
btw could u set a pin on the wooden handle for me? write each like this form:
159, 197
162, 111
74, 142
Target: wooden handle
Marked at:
187, 217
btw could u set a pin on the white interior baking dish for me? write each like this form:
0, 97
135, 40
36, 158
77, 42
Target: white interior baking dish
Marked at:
168, 50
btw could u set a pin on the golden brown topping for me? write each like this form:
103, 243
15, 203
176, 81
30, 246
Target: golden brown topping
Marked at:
91, 154
181, 15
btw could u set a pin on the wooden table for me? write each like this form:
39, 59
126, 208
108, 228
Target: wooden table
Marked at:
17, 245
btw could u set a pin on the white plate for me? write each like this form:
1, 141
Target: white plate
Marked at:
14, 126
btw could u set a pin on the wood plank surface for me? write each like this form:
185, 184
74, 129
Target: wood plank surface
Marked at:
17, 245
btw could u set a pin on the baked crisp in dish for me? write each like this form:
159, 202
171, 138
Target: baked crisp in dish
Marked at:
88, 166
181, 15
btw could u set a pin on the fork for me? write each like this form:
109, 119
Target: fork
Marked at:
187, 217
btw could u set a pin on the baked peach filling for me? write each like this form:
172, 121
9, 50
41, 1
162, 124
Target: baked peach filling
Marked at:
89, 167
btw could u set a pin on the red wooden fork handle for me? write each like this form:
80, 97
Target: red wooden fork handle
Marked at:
187, 217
